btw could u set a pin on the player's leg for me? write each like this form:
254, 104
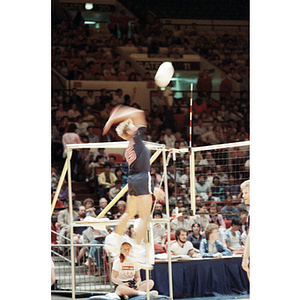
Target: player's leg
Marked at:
144, 204
113, 241
130, 212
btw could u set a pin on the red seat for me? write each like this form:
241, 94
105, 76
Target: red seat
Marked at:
172, 237
227, 223
158, 248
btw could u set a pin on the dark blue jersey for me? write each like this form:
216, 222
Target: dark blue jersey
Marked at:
137, 155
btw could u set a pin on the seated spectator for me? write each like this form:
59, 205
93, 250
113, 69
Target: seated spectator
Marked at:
213, 137
77, 236
232, 188
89, 206
180, 204
201, 218
233, 236
60, 113
158, 178
159, 229
121, 176
217, 190
159, 206
229, 208
182, 247
63, 220
223, 177
114, 191
169, 138
126, 276
211, 246
195, 236
98, 163
181, 221
94, 236
102, 204
113, 165
221, 231
118, 98
199, 129
121, 208
208, 161
184, 196
106, 180
171, 173
81, 126
203, 188
91, 136
213, 209
73, 113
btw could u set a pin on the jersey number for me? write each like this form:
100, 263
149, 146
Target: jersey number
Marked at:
130, 155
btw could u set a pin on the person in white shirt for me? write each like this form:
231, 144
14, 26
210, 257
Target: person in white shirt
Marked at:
182, 247
233, 236
126, 276
81, 126
169, 138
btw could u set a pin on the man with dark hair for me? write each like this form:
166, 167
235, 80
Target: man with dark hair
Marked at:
182, 247
233, 236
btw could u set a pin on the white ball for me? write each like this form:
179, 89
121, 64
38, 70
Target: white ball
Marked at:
164, 74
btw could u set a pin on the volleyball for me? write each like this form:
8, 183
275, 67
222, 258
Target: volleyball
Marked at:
164, 74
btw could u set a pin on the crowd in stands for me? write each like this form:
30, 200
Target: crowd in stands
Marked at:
82, 53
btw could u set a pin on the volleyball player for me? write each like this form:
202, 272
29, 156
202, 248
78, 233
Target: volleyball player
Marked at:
140, 183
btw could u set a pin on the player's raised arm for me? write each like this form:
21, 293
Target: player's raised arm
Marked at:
121, 113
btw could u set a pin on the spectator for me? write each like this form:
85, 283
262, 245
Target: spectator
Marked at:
182, 247
118, 98
232, 188
213, 209
159, 206
169, 138
203, 188
71, 137
77, 236
181, 221
60, 113
171, 173
222, 175
199, 105
204, 84
185, 178
106, 180
195, 236
159, 229
91, 136
211, 246
217, 190
73, 113
94, 236
121, 208
199, 129
102, 204
121, 176
90, 98
81, 126
208, 161
91, 169
229, 208
89, 207
202, 218
226, 89
126, 276
63, 220
221, 230
213, 137
233, 236
114, 191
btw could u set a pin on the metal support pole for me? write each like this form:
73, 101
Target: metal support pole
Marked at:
71, 222
168, 225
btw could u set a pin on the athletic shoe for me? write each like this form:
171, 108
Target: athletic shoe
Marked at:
153, 293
